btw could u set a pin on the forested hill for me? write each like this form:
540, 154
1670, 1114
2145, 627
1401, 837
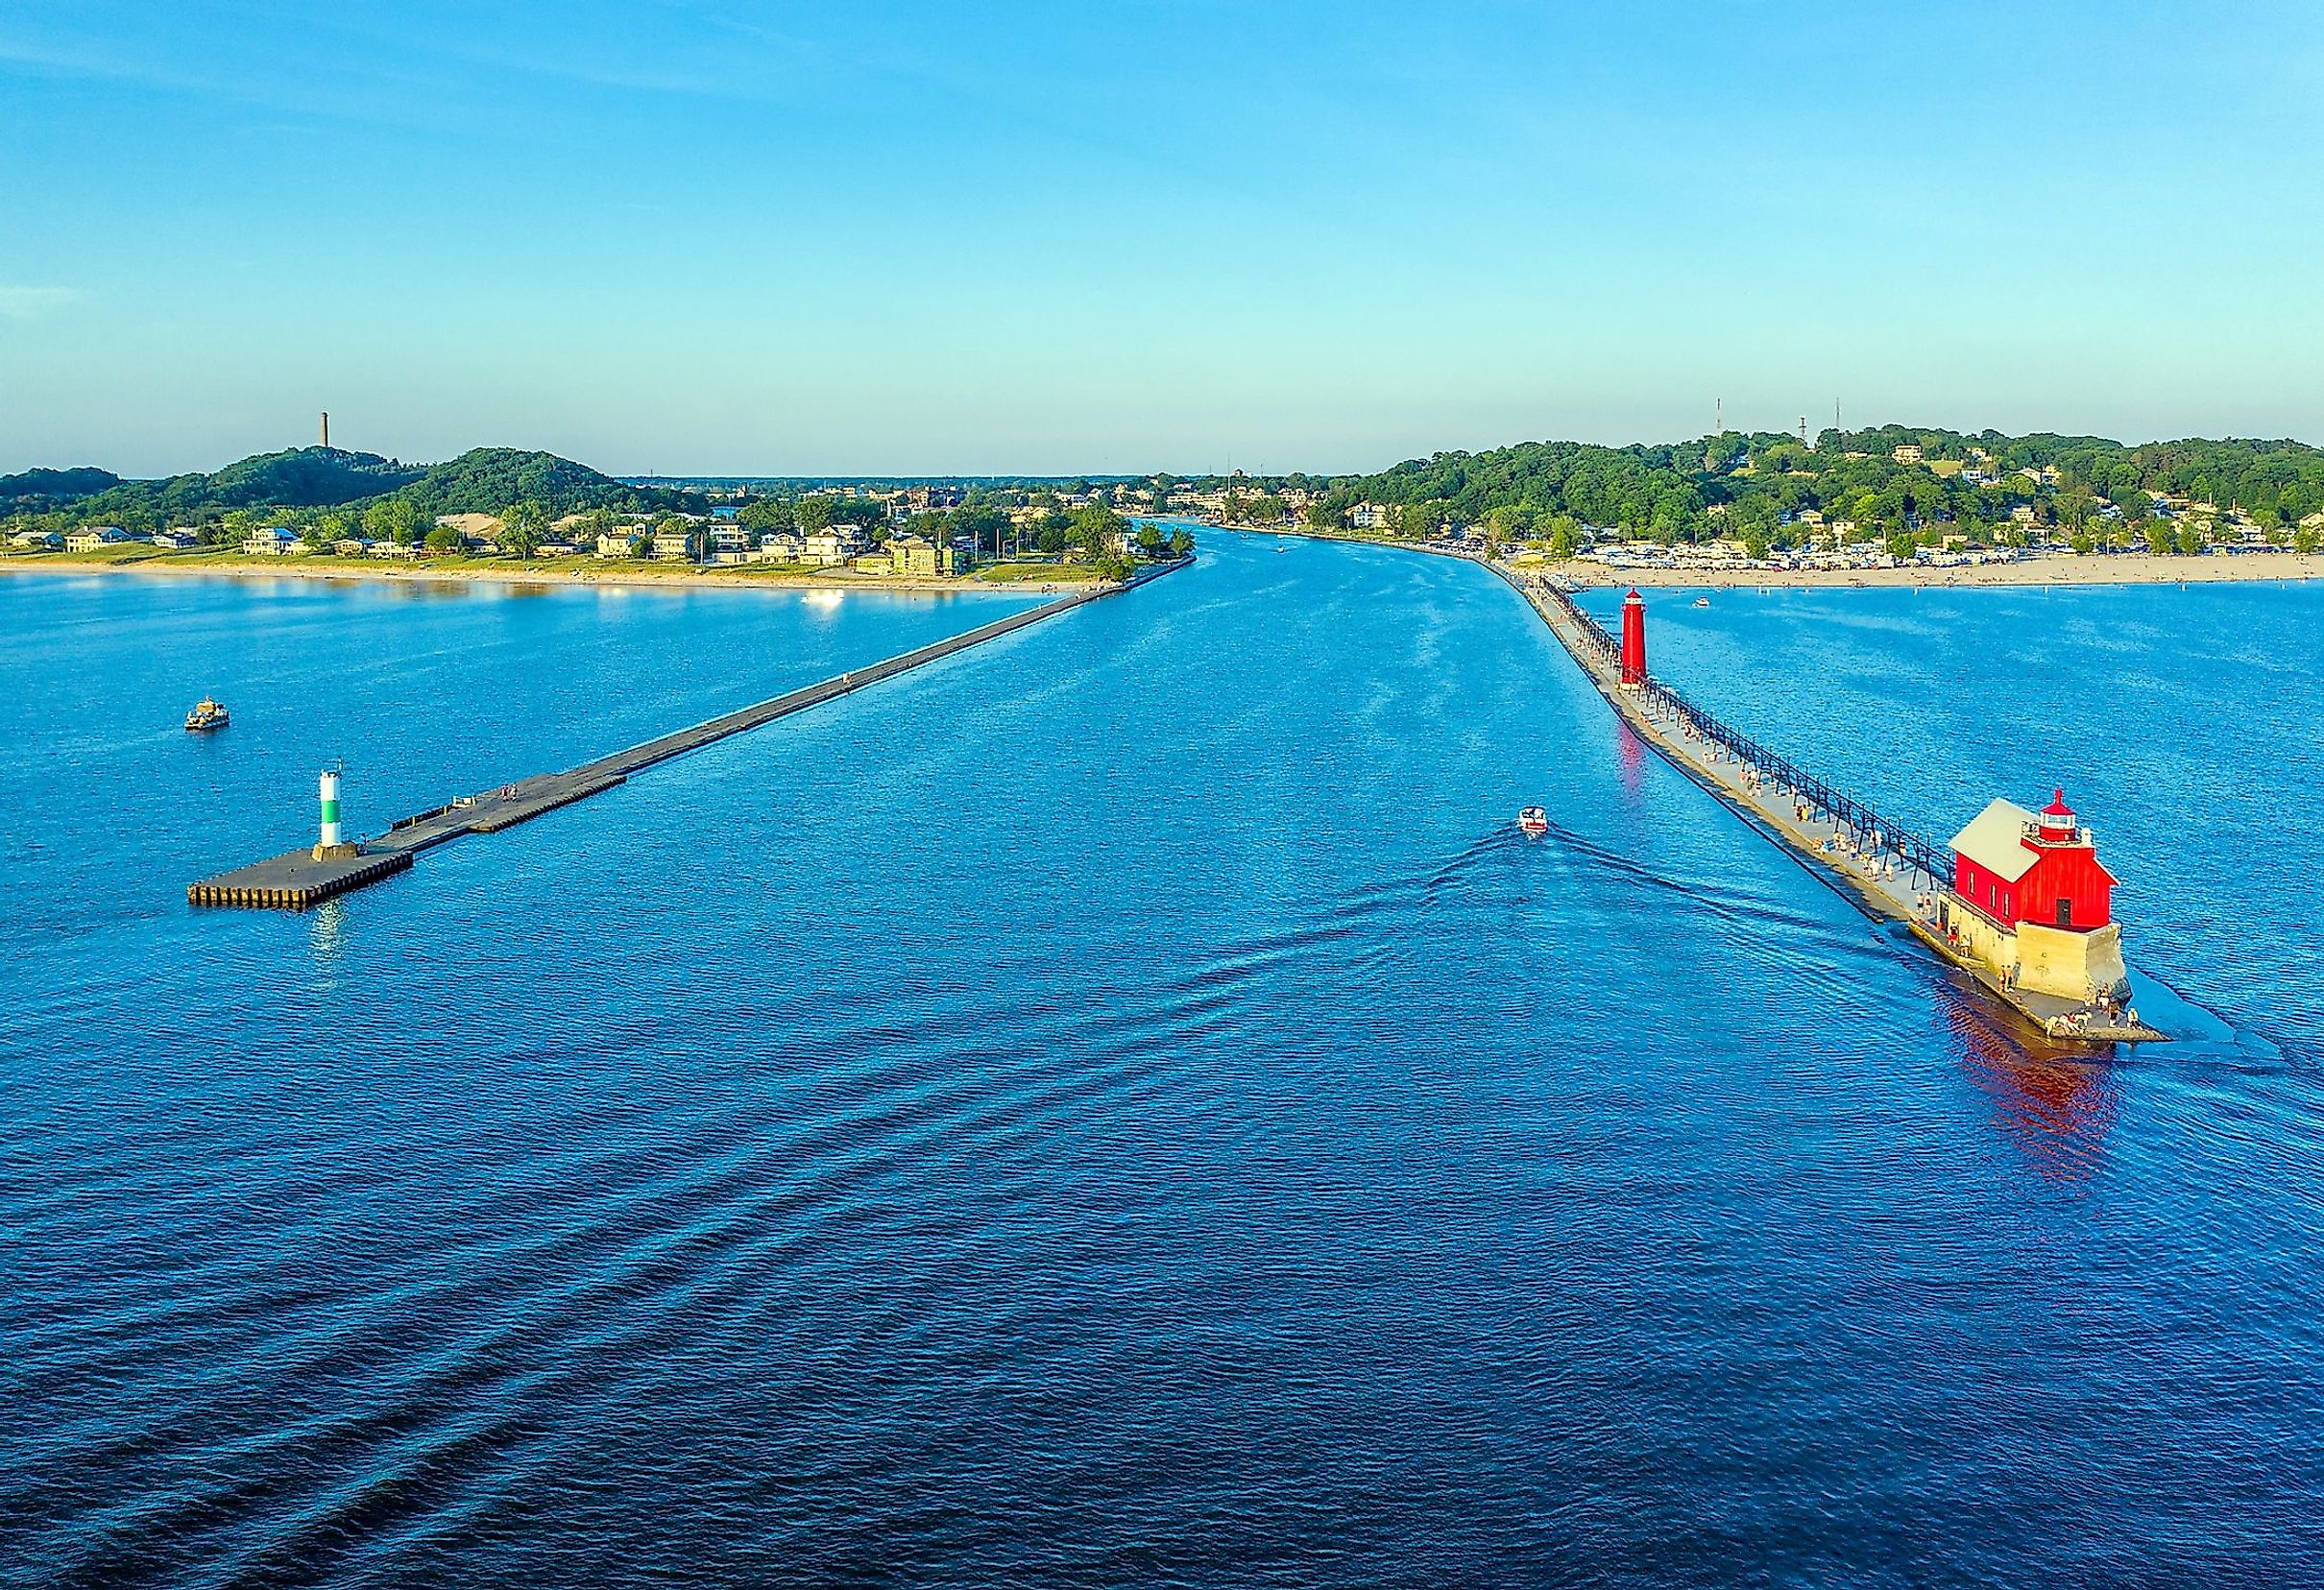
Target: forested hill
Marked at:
1753, 481
54, 488
483, 480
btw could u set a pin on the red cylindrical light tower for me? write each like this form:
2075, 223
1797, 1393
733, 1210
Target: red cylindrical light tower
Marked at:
1633, 640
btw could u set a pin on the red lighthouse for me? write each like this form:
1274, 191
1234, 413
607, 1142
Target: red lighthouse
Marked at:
1633, 640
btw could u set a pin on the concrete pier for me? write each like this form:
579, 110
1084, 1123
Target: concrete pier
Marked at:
1872, 876
300, 879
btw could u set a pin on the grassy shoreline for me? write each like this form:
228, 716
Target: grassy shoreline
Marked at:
1019, 577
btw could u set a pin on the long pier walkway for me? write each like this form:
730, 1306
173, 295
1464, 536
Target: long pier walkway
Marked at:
1886, 868
299, 879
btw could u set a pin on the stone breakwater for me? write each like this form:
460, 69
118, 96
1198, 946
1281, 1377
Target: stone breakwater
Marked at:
298, 878
1880, 866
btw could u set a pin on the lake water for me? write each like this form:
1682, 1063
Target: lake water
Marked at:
1123, 1105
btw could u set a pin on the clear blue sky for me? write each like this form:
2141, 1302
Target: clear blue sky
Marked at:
1009, 236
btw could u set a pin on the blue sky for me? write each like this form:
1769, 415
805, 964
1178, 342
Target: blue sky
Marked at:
1007, 237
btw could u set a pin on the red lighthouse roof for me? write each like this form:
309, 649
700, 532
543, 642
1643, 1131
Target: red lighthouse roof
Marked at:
2057, 806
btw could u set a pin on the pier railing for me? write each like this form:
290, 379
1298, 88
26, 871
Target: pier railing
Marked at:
1914, 850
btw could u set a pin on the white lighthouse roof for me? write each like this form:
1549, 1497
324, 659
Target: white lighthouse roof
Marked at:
1996, 840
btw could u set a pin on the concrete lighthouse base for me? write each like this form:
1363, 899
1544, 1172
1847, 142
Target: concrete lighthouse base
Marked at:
2073, 964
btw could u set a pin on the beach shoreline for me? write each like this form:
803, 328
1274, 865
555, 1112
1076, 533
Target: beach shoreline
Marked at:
713, 578
2123, 569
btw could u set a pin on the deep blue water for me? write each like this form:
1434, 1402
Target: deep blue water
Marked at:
1123, 1106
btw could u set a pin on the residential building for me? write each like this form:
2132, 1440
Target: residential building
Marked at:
918, 555
272, 541
833, 545
777, 546
37, 541
1907, 452
95, 538
676, 545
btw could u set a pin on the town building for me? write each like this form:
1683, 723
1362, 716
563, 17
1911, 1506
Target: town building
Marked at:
918, 555
2031, 902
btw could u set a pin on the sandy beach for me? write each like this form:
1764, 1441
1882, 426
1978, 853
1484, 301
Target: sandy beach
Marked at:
576, 572
2121, 568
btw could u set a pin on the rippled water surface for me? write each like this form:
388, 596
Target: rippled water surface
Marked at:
1123, 1107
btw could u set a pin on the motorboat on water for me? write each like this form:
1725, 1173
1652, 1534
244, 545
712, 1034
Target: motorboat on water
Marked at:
1702, 601
1534, 821
207, 714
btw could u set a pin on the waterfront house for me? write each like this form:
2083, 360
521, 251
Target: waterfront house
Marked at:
676, 545
920, 556
36, 540
778, 547
351, 547
95, 538
176, 540
833, 545
391, 549
272, 540
874, 563
617, 543
729, 538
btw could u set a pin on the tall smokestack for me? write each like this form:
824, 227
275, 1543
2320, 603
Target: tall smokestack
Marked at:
326, 427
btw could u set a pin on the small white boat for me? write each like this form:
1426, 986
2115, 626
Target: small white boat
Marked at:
1702, 601
1532, 821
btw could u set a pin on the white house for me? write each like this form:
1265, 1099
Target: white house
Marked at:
272, 541
95, 538
834, 546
